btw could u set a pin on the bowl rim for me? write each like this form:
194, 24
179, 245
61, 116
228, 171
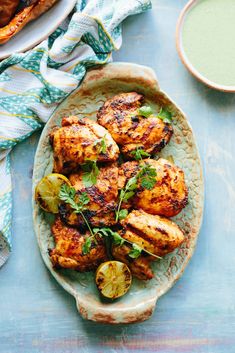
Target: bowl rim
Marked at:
180, 49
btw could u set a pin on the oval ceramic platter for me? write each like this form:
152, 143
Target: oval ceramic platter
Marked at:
139, 303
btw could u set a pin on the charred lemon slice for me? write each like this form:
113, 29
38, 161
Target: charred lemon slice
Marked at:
47, 192
113, 279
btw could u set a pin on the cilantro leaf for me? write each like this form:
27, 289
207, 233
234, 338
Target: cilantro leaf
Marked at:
135, 251
78, 204
102, 146
165, 115
122, 214
84, 198
86, 247
90, 173
147, 176
117, 239
139, 153
148, 183
145, 111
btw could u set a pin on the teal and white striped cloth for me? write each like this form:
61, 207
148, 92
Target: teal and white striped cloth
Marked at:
32, 84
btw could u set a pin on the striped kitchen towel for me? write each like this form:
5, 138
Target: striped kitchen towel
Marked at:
33, 83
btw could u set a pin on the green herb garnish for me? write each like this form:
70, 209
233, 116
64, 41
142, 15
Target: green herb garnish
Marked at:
86, 247
126, 194
107, 232
122, 214
165, 115
68, 193
139, 154
145, 111
102, 146
135, 251
147, 176
78, 204
90, 173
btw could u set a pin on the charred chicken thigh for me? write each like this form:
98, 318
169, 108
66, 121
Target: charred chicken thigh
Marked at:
153, 233
119, 115
79, 140
140, 267
68, 250
103, 198
28, 11
169, 194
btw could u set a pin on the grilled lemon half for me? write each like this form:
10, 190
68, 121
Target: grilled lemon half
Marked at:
113, 279
47, 192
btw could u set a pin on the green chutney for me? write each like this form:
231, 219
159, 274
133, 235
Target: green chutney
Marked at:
208, 38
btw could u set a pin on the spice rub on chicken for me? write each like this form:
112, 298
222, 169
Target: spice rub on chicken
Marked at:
121, 117
68, 251
101, 188
79, 140
103, 197
169, 194
155, 234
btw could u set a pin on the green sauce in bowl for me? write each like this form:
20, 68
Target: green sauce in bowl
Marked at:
208, 40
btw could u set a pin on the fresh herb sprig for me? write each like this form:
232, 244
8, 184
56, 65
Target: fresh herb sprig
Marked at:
147, 178
101, 145
68, 195
125, 194
90, 168
90, 173
139, 154
108, 232
145, 111
136, 250
164, 114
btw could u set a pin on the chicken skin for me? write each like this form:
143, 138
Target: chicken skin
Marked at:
158, 235
168, 196
140, 267
79, 140
68, 250
119, 115
103, 198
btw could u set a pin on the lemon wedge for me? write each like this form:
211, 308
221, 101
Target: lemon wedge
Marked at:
47, 192
113, 279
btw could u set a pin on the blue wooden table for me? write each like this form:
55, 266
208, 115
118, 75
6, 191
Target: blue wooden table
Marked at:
198, 314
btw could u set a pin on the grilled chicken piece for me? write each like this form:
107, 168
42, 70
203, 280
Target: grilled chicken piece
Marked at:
103, 198
156, 234
140, 267
7, 10
27, 14
119, 115
153, 233
79, 140
68, 249
169, 194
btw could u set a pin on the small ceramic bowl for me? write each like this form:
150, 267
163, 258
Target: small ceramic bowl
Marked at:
180, 48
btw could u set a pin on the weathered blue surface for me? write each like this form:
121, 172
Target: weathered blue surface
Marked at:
198, 314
